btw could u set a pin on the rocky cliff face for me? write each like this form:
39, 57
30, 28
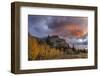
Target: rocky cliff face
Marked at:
55, 41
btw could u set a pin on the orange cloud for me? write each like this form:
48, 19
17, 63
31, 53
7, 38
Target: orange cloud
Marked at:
76, 30
71, 30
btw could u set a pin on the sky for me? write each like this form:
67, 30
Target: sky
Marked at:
74, 30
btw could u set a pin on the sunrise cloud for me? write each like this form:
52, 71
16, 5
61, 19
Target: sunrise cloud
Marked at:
73, 29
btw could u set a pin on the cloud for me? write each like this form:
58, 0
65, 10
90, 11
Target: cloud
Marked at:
37, 26
69, 28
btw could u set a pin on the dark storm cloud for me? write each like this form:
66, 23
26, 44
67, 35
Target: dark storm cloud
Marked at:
68, 28
58, 21
54, 23
37, 25
84, 43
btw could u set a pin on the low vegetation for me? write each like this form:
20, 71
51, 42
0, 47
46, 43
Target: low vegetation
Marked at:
43, 51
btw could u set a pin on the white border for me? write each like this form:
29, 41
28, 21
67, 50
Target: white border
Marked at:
25, 64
